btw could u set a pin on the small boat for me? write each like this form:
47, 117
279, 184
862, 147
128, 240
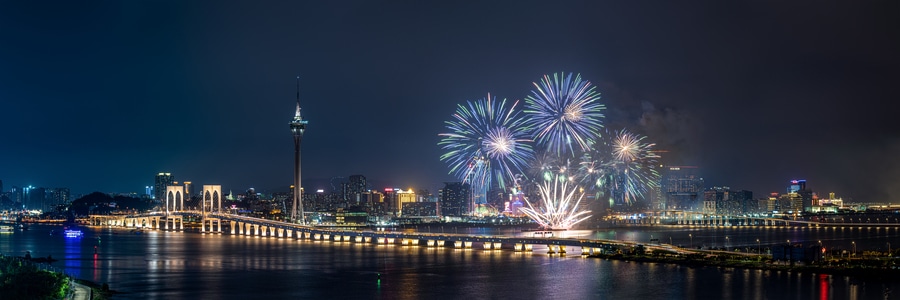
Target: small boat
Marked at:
6, 228
73, 233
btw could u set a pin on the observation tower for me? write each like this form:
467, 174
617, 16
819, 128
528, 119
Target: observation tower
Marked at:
298, 126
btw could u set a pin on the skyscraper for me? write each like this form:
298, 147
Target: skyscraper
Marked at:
800, 196
159, 187
455, 199
355, 189
683, 188
298, 126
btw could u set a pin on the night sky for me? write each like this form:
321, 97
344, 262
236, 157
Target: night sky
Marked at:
102, 95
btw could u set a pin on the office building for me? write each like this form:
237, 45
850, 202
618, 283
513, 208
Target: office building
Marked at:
162, 181
455, 199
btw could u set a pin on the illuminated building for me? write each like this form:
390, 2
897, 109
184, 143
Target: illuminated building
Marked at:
187, 189
404, 197
454, 199
162, 181
54, 197
724, 201
354, 189
682, 188
800, 196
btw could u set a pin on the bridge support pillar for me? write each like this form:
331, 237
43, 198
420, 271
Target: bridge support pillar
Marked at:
381, 240
429, 243
367, 239
487, 245
317, 236
390, 240
585, 250
457, 244
497, 245
467, 244
518, 247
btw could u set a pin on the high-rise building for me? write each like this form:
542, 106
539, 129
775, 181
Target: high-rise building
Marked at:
683, 188
54, 197
800, 196
298, 127
404, 197
32, 197
714, 200
187, 189
455, 199
745, 202
354, 189
159, 187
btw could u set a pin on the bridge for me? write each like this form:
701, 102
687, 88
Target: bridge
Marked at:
693, 218
224, 223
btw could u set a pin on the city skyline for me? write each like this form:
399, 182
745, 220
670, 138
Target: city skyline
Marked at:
769, 94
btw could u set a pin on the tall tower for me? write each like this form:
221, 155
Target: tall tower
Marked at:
298, 126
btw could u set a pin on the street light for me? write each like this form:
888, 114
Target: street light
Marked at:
854, 248
726, 243
692, 240
758, 248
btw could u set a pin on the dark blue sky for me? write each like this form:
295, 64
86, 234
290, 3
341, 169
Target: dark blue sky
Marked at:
101, 95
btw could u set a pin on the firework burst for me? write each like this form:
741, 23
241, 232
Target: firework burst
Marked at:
487, 139
559, 206
623, 165
564, 110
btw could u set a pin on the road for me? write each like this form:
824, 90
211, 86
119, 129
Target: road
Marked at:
82, 292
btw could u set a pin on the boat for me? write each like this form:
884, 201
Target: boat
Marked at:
73, 233
6, 228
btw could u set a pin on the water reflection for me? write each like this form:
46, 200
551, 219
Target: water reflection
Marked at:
187, 265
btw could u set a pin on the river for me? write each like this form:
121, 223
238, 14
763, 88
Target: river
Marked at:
192, 265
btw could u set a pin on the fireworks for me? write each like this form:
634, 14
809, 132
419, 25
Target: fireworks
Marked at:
564, 110
487, 139
559, 207
623, 165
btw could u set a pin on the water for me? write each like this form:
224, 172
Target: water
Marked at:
191, 265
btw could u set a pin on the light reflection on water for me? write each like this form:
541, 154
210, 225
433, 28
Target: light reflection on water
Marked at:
190, 265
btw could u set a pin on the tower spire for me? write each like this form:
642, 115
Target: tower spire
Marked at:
298, 126
297, 114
